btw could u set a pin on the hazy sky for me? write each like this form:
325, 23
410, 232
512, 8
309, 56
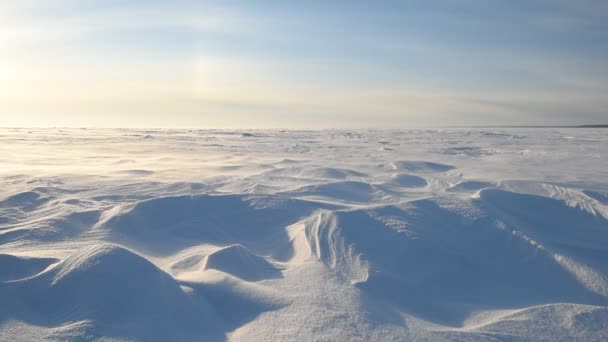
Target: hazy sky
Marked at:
302, 63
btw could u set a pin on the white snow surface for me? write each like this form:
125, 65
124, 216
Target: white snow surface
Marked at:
210, 235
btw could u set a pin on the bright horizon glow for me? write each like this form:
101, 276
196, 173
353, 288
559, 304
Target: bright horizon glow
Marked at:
225, 64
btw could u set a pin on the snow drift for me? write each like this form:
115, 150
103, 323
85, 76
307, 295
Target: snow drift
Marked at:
190, 235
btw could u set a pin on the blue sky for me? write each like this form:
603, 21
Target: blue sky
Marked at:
303, 64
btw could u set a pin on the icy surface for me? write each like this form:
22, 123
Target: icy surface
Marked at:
192, 235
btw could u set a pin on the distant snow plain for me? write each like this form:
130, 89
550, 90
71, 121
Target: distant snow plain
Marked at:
479, 234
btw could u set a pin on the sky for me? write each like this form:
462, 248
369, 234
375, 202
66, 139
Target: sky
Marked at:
302, 64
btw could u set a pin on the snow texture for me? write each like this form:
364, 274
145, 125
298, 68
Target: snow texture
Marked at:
213, 235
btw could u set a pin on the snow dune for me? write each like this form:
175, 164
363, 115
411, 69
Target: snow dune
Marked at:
195, 235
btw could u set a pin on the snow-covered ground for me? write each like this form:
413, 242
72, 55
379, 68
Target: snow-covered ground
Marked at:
196, 235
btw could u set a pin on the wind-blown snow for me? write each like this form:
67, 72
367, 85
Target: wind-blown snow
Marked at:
196, 235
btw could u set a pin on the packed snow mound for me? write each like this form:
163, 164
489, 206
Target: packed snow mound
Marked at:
419, 166
550, 221
117, 290
408, 181
241, 262
171, 223
406, 255
551, 322
245, 187
190, 263
104, 259
14, 267
346, 191
316, 173
27, 199
61, 222
470, 186
326, 241
113, 282
601, 196
578, 322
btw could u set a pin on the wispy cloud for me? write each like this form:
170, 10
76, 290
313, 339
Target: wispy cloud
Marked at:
410, 61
